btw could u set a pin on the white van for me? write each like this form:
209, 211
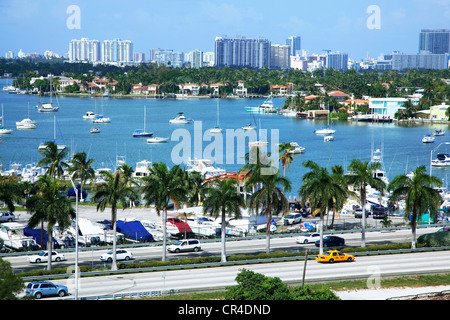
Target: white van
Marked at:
185, 245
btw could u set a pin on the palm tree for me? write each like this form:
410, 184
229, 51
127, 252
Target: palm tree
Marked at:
196, 187
53, 159
128, 179
320, 190
269, 199
49, 205
110, 193
361, 176
10, 191
82, 169
419, 193
222, 198
161, 186
337, 175
285, 157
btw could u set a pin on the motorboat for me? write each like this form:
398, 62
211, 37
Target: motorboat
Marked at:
180, 119
248, 127
428, 139
26, 124
95, 130
205, 167
266, 107
439, 132
296, 148
90, 115
12, 234
157, 140
442, 160
328, 138
142, 169
215, 130
325, 130
258, 143
143, 132
101, 119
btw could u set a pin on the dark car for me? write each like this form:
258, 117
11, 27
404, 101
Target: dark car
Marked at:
379, 212
331, 241
39, 289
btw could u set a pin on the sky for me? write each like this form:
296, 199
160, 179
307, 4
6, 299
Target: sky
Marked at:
358, 27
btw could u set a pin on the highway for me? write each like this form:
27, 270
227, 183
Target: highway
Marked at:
151, 252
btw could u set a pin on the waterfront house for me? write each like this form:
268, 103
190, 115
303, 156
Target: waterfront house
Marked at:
216, 88
385, 108
279, 90
101, 84
189, 89
241, 90
338, 95
438, 112
151, 89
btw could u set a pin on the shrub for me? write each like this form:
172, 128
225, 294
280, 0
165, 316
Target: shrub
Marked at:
307, 293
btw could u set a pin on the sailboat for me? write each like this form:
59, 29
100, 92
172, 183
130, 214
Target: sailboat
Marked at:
27, 123
43, 145
258, 143
140, 132
101, 118
326, 130
2, 128
48, 107
217, 129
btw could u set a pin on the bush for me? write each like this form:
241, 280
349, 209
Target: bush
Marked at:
436, 239
307, 293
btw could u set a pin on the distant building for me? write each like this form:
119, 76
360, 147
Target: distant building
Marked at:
208, 59
84, 50
436, 41
9, 55
242, 52
197, 59
386, 108
337, 61
295, 44
139, 57
279, 57
424, 60
438, 112
117, 51
166, 57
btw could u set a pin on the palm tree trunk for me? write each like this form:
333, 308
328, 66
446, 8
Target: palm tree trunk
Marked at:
223, 235
413, 228
49, 248
363, 227
321, 233
164, 234
269, 220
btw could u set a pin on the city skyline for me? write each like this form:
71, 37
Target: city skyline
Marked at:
354, 28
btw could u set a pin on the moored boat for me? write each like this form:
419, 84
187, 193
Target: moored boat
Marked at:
180, 119
442, 160
157, 140
428, 139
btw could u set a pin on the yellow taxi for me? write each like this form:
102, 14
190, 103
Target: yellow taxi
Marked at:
332, 256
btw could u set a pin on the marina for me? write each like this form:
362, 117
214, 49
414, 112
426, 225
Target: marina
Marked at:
403, 149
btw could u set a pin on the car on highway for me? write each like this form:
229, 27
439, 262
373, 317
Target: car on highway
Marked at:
39, 289
444, 229
331, 241
185, 245
6, 216
334, 256
307, 238
43, 257
121, 254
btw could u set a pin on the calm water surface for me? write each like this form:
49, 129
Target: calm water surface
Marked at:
402, 145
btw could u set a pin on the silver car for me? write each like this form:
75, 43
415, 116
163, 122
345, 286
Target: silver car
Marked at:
6, 216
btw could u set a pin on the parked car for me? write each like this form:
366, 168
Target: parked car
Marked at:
39, 289
292, 218
331, 241
43, 257
334, 256
358, 211
121, 254
7, 216
185, 245
307, 238
444, 229
379, 213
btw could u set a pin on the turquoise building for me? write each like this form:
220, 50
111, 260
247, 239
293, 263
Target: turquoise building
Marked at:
386, 108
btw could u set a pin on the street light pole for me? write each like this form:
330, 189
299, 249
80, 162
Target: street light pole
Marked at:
76, 237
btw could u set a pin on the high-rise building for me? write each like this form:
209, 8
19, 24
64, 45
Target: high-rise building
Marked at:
279, 57
9, 55
117, 51
242, 52
139, 57
337, 61
424, 60
436, 41
166, 57
295, 43
84, 50
197, 59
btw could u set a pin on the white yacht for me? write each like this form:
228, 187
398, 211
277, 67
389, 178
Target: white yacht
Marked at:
442, 160
157, 140
428, 139
205, 167
3, 130
142, 169
328, 138
12, 234
248, 127
90, 115
48, 107
439, 132
258, 143
101, 119
297, 149
26, 123
180, 119
325, 130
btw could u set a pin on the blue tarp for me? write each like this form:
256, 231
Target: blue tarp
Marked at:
36, 234
134, 230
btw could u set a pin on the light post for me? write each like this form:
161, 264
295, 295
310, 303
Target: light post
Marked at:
76, 236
